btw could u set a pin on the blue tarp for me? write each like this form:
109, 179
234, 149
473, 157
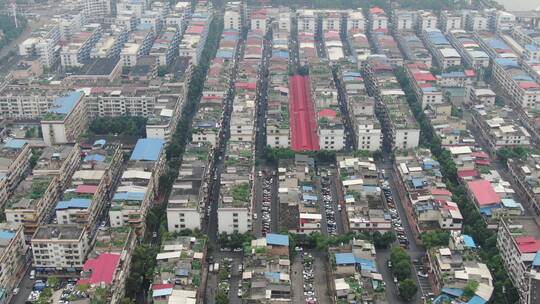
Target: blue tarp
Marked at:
7, 235
366, 265
418, 182
80, 203
307, 197
469, 241
345, 258
536, 261
147, 149
307, 188
277, 239
272, 276
94, 157
476, 300
128, 196
15, 143
64, 104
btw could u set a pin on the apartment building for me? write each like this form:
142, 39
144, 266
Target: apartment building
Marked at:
186, 206
476, 21
108, 264
427, 199
426, 21
384, 44
110, 43
472, 54
307, 20
444, 55
523, 89
355, 20
234, 17
413, 48
85, 198
518, 240
269, 270
162, 123
139, 44
378, 20
59, 247
359, 43
95, 9
525, 173
179, 278
451, 20
333, 46
400, 128
404, 20
195, 35
424, 84
452, 268
499, 128
332, 21
44, 43
138, 185
476, 95
13, 250
66, 119
35, 197
77, 52
354, 264
15, 157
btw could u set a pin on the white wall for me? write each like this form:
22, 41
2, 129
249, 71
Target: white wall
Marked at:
191, 219
226, 220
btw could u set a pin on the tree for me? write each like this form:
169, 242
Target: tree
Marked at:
53, 282
222, 298
435, 238
499, 101
470, 289
402, 269
383, 240
407, 289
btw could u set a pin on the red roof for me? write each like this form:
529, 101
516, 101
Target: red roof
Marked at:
467, 173
102, 268
246, 85
480, 154
483, 192
528, 85
87, 189
527, 244
482, 162
161, 286
195, 29
302, 115
441, 192
419, 76
327, 113
376, 10
470, 73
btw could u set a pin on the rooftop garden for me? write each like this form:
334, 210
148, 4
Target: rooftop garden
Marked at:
53, 116
240, 193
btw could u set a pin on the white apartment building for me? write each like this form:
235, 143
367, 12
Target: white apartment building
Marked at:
284, 20
44, 44
331, 21
479, 96
94, 9
13, 261
59, 247
450, 20
331, 138
183, 214
136, 7
502, 21
231, 219
369, 135
518, 240
426, 20
403, 20
307, 21
277, 137
476, 22
65, 120
232, 19
355, 20
378, 20
259, 21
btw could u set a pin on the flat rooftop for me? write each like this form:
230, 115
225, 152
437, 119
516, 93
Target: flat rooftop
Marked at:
60, 232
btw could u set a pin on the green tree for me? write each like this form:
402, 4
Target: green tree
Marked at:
435, 238
470, 289
53, 282
402, 269
407, 289
499, 101
383, 240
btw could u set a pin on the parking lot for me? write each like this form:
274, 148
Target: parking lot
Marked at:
308, 278
329, 206
266, 208
396, 220
420, 271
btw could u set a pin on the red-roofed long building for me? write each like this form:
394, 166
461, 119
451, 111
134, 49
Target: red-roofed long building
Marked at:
302, 115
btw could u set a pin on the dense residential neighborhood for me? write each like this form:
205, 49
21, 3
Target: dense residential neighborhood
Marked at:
269, 151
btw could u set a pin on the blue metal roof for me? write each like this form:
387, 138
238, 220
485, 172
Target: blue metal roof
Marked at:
79, 203
476, 300
418, 182
144, 26
345, 258
307, 188
456, 292
147, 149
367, 265
507, 62
94, 157
536, 261
510, 203
273, 276
453, 74
15, 143
224, 54
162, 292
128, 196
469, 241
7, 235
64, 104
307, 197
277, 239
